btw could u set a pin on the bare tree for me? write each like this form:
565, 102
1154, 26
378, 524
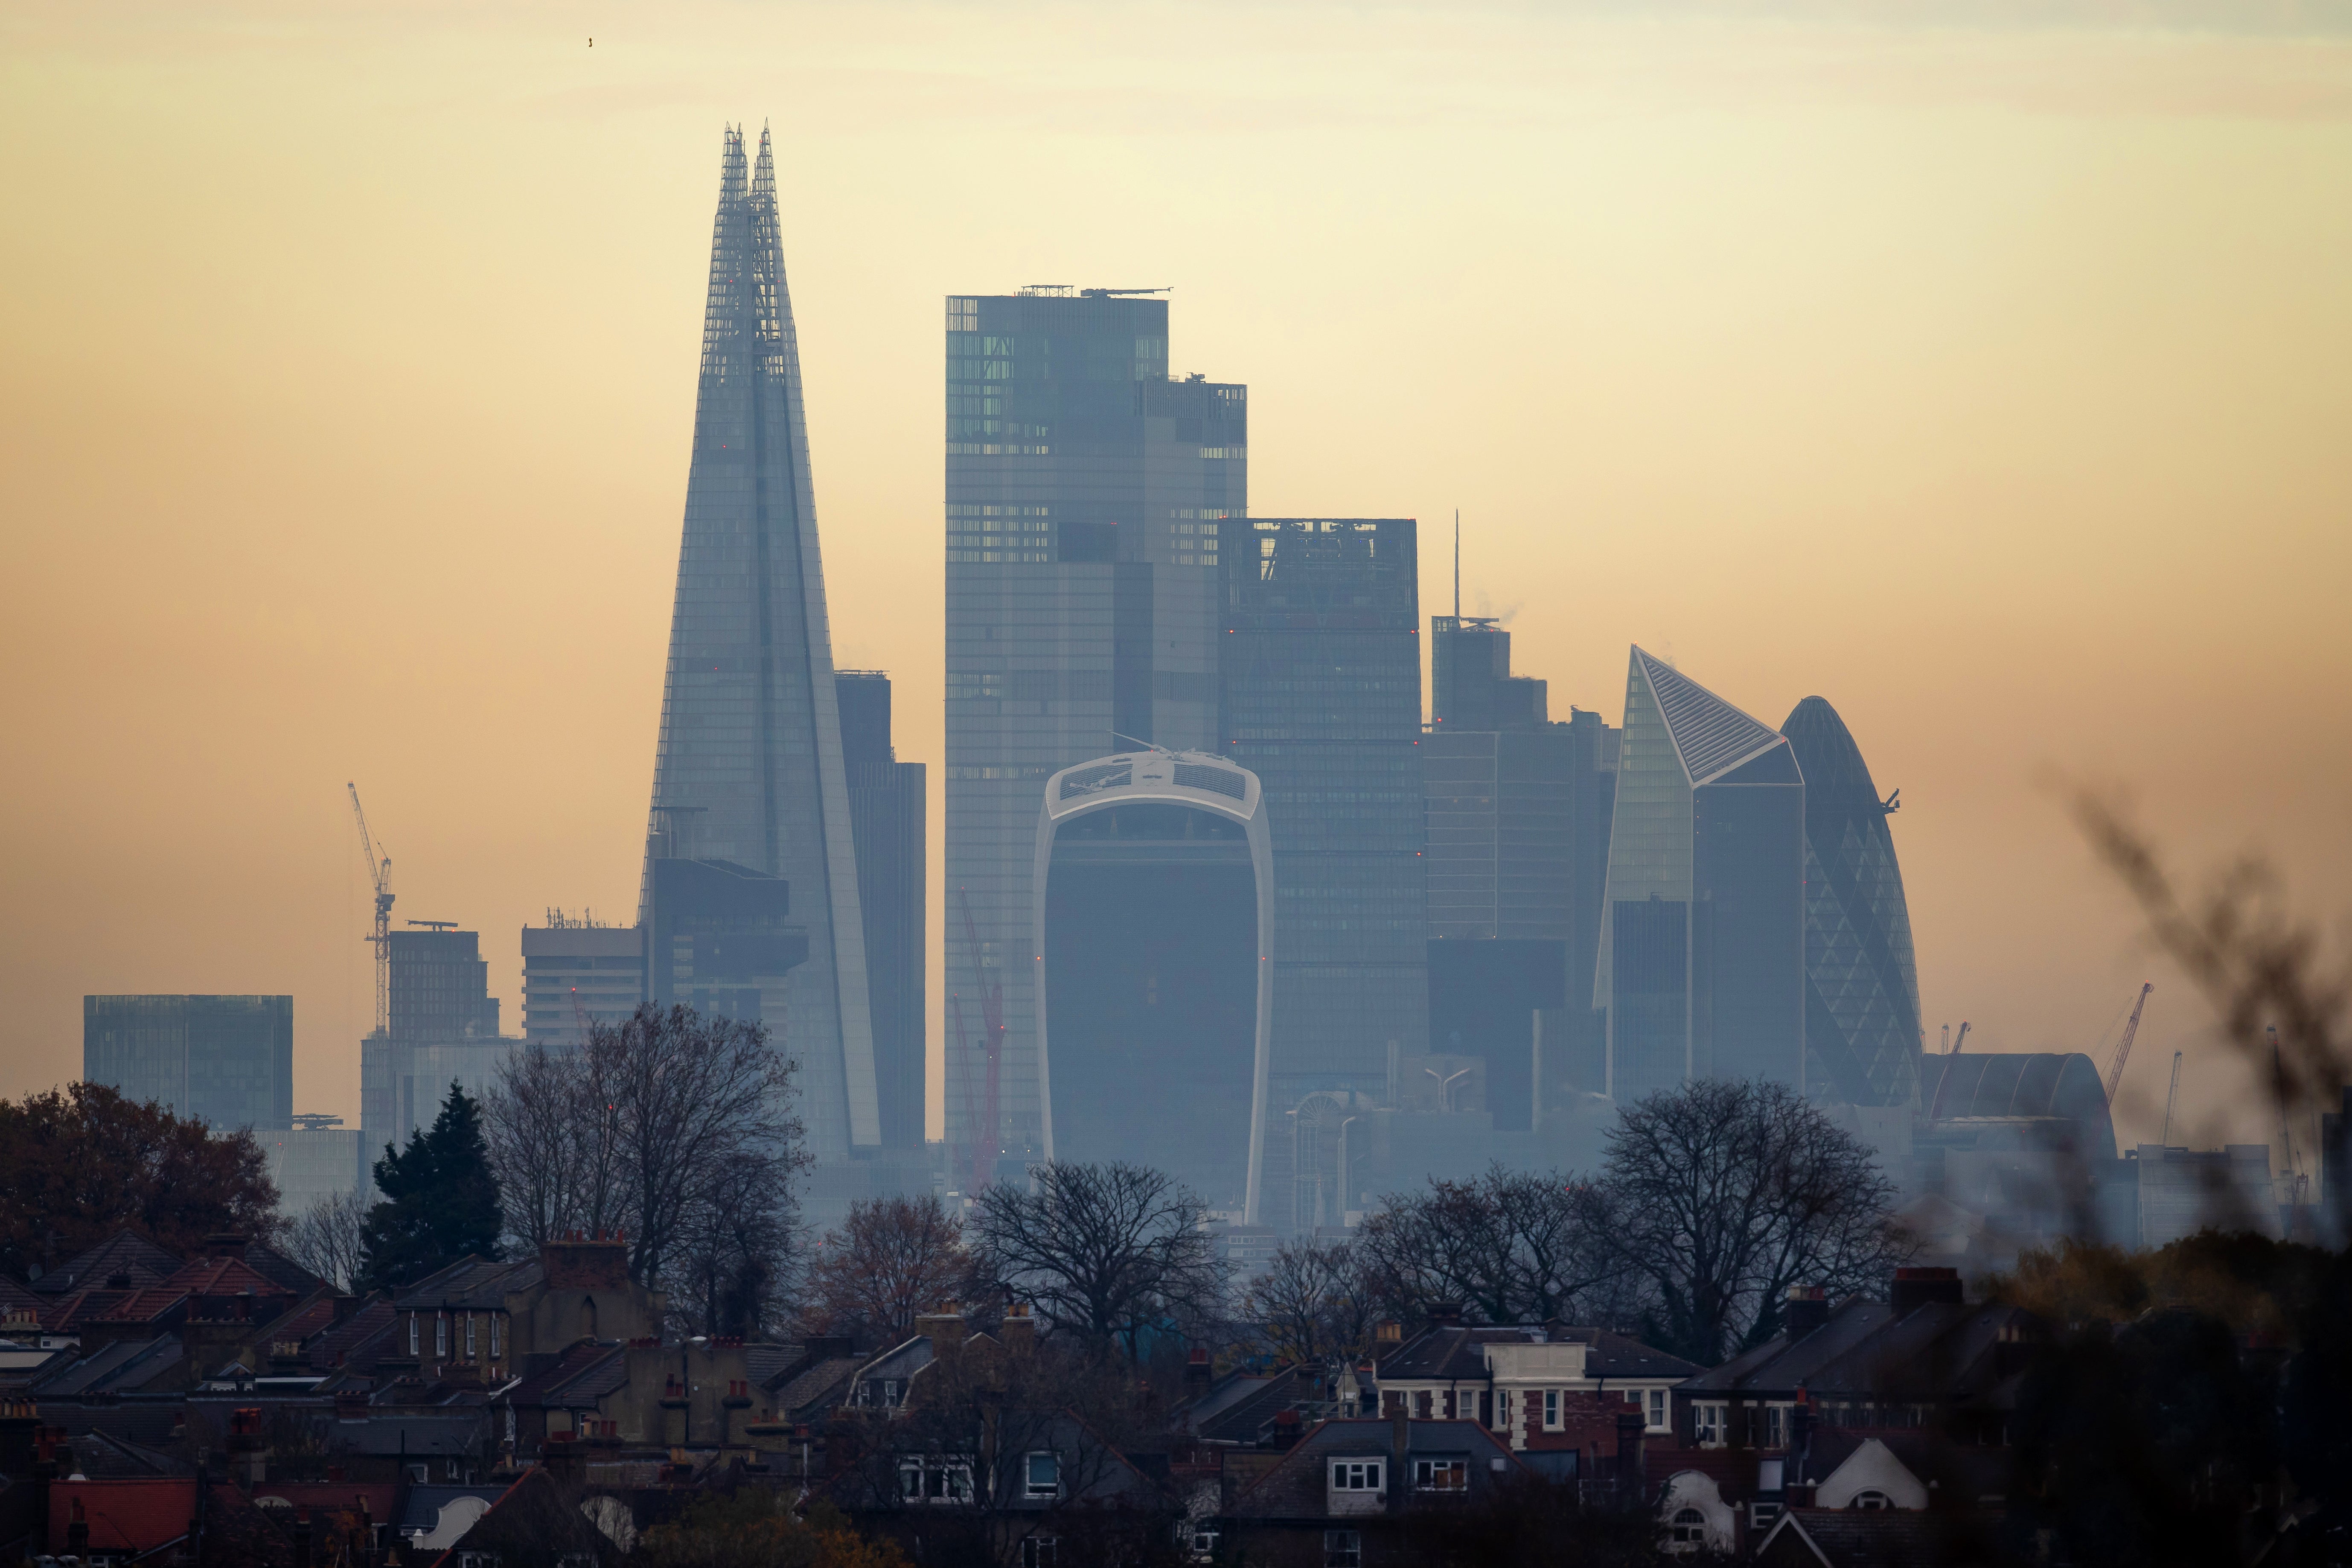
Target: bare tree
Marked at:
1510, 1247
1315, 1303
1105, 1251
894, 1258
1723, 1193
326, 1239
673, 1129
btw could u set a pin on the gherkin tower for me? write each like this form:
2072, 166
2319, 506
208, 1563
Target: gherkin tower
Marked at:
749, 768
1861, 982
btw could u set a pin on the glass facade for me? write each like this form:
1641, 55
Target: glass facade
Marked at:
1151, 957
1517, 843
748, 769
1701, 964
227, 1061
1321, 683
1085, 493
1862, 1035
445, 1028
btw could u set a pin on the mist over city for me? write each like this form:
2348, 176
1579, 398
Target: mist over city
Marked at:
1289, 786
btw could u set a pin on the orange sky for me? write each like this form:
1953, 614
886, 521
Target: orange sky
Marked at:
1990, 381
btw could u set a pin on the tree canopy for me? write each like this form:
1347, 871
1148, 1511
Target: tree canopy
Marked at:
81, 1163
440, 1200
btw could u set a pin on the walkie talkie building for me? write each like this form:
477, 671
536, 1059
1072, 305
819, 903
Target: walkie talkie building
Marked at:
749, 768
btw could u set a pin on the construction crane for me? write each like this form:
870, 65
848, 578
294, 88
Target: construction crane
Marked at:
2171, 1097
981, 1120
379, 867
2123, 1047
1960, 1043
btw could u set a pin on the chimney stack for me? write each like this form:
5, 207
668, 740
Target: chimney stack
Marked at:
1808, 1309
1020, 1329
1196, 1371
945, 1328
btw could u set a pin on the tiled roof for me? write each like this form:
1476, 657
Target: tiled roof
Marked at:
816, 1389
301, 1324
1253, 1404
282, 1271
540, 1386
900, 1361
124, 1252
1872, 1538
357, 1340
1295, 1487
1456, 1354
124, 1364
1783, 1363
102, 1456
472, 1284
1938, 1351
125, 1515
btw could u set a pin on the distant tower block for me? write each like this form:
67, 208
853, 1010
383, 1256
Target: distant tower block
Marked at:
749, 770
1702, 964
1861, 982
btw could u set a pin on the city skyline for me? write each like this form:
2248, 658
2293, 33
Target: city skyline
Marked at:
2042, 559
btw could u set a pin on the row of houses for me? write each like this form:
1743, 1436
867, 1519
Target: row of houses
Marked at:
234, 1403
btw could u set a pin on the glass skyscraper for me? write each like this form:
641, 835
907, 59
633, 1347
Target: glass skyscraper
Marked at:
748, 769
227, 1061
1321, 685
1518, 811
1084, 492
1861, 982
1702, 963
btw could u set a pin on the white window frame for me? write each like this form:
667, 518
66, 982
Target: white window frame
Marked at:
1040, 1551
412, 1333
1029, 1486
938, 1479
1343, 1548
469, 1336
495, 1319
1660, 1410
1552, 1421
1687, 1527
1708, 1418
1441, 1475
1358, 1474
440, 1336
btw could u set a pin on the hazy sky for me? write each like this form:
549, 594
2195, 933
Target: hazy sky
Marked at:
1989, 373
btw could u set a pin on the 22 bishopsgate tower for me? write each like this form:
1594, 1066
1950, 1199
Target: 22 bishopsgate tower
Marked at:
750, 770
1085, 491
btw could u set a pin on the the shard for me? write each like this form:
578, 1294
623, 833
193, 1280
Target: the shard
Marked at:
748, 769
1861, 982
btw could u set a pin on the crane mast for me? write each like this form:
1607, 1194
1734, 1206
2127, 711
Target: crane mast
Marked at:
379, 867
2171, 1097
2124, 1045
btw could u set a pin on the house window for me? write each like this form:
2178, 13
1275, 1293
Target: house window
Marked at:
1503, 1403
1037, 1552
1657, 1404
1707, 1424
494, 1338
1552, 1409
929, 1478
1045, 1474
1204, 1545
440, 1335
1871, 1502
412, 1333
1423, 1404
1343, 1548
1776, 1425
1689, 1528
469, 1336
1355, 1475
1441, 1475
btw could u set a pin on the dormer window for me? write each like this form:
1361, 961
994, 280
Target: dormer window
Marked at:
1356, 1475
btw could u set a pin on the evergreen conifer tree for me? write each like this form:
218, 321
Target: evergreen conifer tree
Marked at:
440, 1203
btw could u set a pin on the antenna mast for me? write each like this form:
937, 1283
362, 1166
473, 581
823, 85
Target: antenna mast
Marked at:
380, 937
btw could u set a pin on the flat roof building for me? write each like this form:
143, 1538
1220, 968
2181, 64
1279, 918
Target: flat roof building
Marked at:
227, 1061
576, 976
